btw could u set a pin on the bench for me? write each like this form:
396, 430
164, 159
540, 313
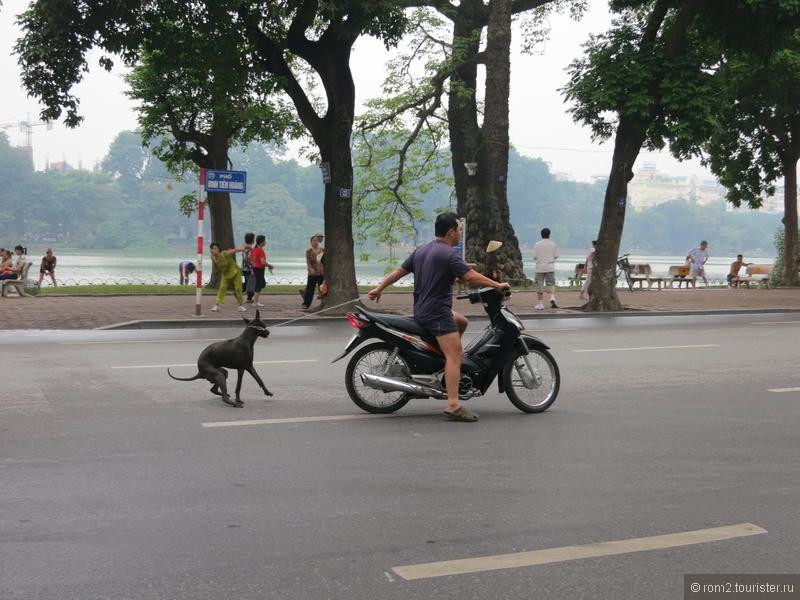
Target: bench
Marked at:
18, 283
580, 274
680, 273
639, 273
758, 274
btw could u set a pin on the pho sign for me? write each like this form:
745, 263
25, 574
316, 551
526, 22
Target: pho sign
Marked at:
232, 182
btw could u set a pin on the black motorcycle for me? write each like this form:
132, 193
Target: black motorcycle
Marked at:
406, 361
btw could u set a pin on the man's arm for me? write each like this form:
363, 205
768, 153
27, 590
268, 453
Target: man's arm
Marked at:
475, 279
397, 274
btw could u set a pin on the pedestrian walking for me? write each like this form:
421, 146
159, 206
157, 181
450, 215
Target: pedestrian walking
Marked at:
258, 258
696, 259
545, 254
229, 273
316, 270
247, 265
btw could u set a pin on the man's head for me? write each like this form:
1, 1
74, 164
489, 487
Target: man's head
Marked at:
49, 252
448, 228
703, 245
317, 238
249, 237
739, 258
545, 233
594, 243
261, 240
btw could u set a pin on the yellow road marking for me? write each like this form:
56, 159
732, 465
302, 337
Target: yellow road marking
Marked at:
648, 348
564, 553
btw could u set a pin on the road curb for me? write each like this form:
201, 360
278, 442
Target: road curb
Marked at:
200, 323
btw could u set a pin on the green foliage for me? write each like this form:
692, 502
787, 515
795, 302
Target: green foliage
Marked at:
626, 72
270, 210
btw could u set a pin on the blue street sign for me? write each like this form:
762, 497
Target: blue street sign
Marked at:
233, 182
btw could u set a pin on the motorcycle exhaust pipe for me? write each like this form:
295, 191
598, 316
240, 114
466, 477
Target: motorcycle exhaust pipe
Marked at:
388, 384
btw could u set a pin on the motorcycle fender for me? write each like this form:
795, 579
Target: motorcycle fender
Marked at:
531, 343
354, 341
524, 343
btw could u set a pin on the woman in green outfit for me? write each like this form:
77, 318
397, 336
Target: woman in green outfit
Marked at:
229, 272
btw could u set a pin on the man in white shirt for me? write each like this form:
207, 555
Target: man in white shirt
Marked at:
697, 258
545, 254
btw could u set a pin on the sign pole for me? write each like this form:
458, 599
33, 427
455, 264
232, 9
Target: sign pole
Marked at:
198, 309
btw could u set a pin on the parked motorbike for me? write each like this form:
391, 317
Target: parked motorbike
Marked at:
405, 361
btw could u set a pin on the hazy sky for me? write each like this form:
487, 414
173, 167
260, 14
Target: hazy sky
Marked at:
540, 126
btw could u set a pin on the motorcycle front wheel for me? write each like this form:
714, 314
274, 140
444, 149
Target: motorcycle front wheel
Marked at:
374, 359
532, 390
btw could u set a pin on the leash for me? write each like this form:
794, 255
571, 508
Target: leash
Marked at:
356, 299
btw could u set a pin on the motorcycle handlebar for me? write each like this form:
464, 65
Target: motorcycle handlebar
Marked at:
505, 293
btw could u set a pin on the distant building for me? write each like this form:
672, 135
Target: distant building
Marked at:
62, 166
650, 188
772, 205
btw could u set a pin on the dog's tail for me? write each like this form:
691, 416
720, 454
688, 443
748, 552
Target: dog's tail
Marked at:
198, 376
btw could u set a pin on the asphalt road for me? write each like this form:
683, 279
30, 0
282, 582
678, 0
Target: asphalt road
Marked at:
118, 482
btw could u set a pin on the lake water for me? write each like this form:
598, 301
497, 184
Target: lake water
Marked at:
84, 267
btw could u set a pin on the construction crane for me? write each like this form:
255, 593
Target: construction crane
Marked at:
26, 127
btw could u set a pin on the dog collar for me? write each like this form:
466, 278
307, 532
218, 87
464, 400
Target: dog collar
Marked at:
258, 327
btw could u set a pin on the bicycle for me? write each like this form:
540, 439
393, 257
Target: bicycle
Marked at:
624, 267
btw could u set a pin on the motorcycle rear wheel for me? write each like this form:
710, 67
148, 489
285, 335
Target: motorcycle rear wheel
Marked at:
546, 381
373, 359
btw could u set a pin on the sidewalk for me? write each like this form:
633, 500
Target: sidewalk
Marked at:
89, 312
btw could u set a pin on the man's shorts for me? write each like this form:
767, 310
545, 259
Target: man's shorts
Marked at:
439, 326
545, 280
697, 271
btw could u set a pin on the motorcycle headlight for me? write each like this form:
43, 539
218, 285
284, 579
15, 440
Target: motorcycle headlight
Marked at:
512, 318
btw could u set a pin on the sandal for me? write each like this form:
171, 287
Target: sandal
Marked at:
462, 415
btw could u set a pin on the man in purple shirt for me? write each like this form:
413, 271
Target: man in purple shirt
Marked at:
435, 266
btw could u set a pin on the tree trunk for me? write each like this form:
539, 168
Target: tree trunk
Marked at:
339, 259
482, 198
494, 222
627, 144
332, 136
219, 210
790, 248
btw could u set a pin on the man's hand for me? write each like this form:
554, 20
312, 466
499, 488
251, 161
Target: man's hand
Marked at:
374, 294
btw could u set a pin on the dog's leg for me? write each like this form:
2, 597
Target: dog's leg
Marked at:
252, 371
215, 388
239, 387
217, 377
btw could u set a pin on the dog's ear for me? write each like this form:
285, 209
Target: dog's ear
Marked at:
246, 320
258, 317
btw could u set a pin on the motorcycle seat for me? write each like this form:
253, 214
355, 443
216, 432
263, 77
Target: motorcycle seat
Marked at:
407, 324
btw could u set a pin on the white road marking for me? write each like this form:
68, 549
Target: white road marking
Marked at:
194, 364
774, 323
389, 576
142, 341
794, 389
648, 348
309, 419
564, 553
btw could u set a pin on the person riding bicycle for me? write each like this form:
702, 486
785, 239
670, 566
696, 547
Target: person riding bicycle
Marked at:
435, 266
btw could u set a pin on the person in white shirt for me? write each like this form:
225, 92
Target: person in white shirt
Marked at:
545, 254
589, 258
696, 259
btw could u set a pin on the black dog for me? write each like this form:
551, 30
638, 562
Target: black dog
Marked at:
236, 353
